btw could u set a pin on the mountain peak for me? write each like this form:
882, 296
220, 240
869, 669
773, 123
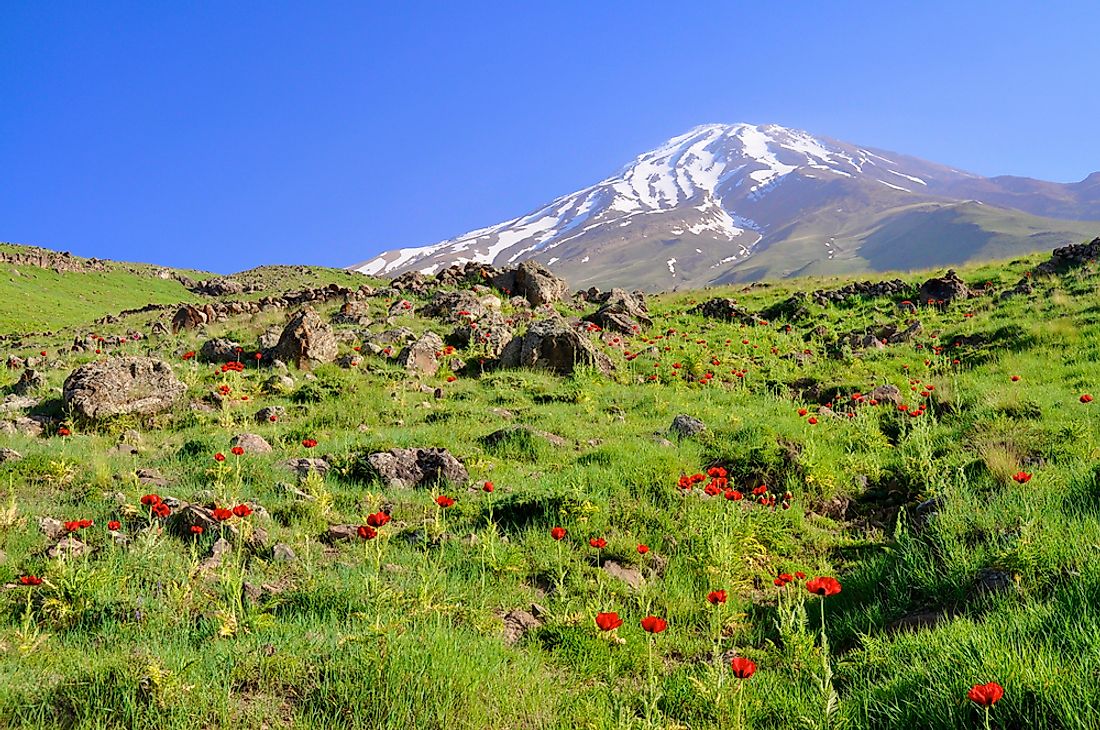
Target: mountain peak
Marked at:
725, 201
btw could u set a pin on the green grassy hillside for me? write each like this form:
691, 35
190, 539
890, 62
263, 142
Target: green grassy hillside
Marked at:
962, 530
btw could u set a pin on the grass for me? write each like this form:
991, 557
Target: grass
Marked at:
406, 630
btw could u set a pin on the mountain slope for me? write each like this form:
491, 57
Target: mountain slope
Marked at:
726, 202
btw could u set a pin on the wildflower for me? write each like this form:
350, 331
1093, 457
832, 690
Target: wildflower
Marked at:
598, 542
800, 575
734, 496
1086, 398
150, 499
273, 418
160, 509
487, 487
1015, 378
812, 420
242, 510
1021, 477
654, 625
188, 355
196, 529
62, 431
716, 597
643, 549
221, 514
33, 580
378, 519
219, 456
309, 443
366, 532
558, 533
986, 695
451, 378
742, 668
236, 451
823, 586
114, 525
444, 501
608, 621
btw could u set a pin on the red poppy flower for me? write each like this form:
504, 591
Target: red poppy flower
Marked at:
598, 542
643, 549
986, 695
444, 501
1086, 398
196, 529
219, 456
812, 420
742, 668
654, 625
800, 575
33, 580
1015, 378
608, 621
72, 525
273, 418
823, 586
160, 509
451, 378
487, 487
259, 356
114, 525
378, 519
309, 443
558, 533
802, 411
43, 353
64, 432
1021, 477
242, 510
716, 597
366, 532
237, 451
221, 514
85, 523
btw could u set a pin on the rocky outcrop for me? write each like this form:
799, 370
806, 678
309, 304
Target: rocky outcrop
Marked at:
621, 311
862, 289
491, 333
122, 386
307, 341
453, 306
724, 309
553, 345
1070, 257
29, 382
222, 287
422, 356
219, 350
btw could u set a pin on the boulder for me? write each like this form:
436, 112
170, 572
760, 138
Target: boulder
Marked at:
446, 305
404, 468
219, 349
29, 381
945, 288
306, 341
551, 344
122, 386
264, 415
533, 281
303, 467
621, 312
724, 309
490, 333
422, 356
887, 394
684, 426
187, 318
251, 443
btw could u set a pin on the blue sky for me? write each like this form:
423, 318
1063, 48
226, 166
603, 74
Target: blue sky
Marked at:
227, 135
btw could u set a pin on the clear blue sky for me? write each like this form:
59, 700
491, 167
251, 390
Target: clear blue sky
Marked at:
226, 135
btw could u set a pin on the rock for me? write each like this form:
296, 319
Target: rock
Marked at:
123, 450
353, 312
12, 403
491, 333
518, 622
219, 287
182, 520
861, 289
534, 281
7, 455
270, 414
454, 306
917, 620
130, 436
218, 550
943, 289
307, 341
887, 394
421, 356
511, 432
218, 350
122, 386
51, 528
151, 478
187, 318
283, 553
724, 309
29, 381
622, 312
403, 468
340, 533
278, 385
32, 426
631, 576
303, 467
684, 426
551, 344
251, 443
70, 547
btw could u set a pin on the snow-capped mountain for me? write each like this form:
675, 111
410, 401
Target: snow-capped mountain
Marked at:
733, 202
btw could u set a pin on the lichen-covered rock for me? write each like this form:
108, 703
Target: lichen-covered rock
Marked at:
422, 356
415, 467
122, 386
307, 341
944, 288
552, 344
621, 311
219, 349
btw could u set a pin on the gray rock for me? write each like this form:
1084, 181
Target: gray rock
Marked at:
517, 623
631, 576
303, 467
264, 415
219, 350
13, 402
7, 455
887, 394
403, 468
122, 386
69, 546
422, 355
505, 434
29, 381
684, 426
944, 289
251, 443
283, 553
551, 344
